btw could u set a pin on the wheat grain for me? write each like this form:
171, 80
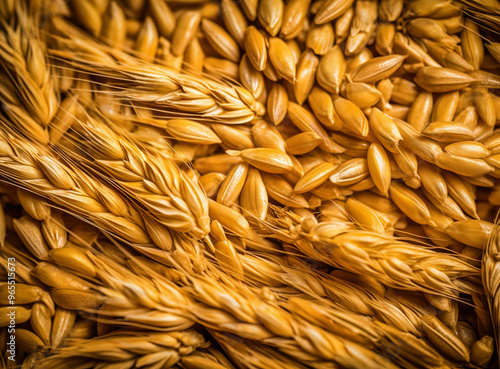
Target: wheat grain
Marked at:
294, 15
270, 14
252, 79
57, 277
282, 59
314, 177
463, 166
267, 136
448, 59
320, 38
442, 79
469, 149
445, 339
253, 198
385, 38
466, 333
379, 167
302, 143
482, 351
267, 160
322, 105
232, 185
146, 43
233, 138
342, 25
87, 16
277, 104
221, 163
330, 10
462, 193
331, 70
350, 172
473, 233
306, 75
420, 111
433, 181
41, 322
26, 294
62, 324
220, 40
406, 46
280, 190
255, 46
22, 315
362, 94
448, 132
74, 259
306, 122
27, 341
28, 230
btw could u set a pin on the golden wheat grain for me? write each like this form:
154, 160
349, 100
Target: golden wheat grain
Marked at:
270, 14
233, 138
306, 122
482, 351
22, 315
232, 185
280, 190
266, 135
251, 78
331, 70
255, 46
294, 15
362, 95
322, 106
306, 76
463, 193
330, 10
253, 198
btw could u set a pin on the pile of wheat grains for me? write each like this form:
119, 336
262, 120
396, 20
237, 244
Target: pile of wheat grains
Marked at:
260, 184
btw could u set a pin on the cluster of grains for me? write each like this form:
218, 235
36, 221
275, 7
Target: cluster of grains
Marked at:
250, 184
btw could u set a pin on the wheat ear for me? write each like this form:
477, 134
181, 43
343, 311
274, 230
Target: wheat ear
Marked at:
30, 100
394, 262
193, 96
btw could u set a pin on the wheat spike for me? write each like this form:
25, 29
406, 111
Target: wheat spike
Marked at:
181, 92
409, 266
